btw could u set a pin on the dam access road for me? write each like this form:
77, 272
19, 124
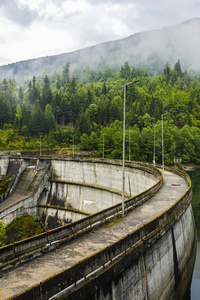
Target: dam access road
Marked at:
16, 280
28, 182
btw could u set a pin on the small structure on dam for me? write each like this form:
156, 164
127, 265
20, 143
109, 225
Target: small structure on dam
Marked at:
148, 254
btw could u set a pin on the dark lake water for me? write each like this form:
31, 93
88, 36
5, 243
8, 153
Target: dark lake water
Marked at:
195, 178
195, 287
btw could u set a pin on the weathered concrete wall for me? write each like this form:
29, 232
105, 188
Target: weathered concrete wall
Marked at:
98, 184
15, 169
153, 262
103, 174
91, 186
53, 217
4, 162
23, 164
11, 255
160, 266
86, 198
29, 204
75, 184
162, 271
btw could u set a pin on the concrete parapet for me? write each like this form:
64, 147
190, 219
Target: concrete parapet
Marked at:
106, 173
70, 231
151, 262
154, 261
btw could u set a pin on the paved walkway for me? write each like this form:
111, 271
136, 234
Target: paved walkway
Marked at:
27, 185
33, 272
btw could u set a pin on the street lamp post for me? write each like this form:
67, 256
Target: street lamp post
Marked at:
73, 144
163, 142
123, 164
154, 148
40, 145
129, 145
103, 145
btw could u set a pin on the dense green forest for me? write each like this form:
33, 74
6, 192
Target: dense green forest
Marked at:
88, 109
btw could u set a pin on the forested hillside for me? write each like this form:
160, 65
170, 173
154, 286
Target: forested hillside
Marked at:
146, 50
89, 108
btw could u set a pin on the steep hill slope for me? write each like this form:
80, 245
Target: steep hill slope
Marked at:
150, 49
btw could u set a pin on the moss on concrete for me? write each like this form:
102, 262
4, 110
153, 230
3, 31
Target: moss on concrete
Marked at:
112, 223
22, 228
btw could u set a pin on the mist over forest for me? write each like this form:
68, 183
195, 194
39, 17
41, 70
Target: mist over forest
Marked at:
77, 98
148, 50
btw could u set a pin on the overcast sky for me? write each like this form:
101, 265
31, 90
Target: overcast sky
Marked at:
35, 28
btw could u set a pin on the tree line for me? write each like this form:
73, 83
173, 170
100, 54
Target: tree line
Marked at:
88, 110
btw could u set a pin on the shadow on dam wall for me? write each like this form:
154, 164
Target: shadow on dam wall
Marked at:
81, 188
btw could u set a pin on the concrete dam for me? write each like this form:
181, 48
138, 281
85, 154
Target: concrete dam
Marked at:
89, 251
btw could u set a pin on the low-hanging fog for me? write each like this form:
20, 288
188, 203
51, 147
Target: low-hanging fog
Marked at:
150, 50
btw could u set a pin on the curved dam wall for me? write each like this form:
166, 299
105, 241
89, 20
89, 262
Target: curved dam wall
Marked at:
91, 185
54, 216
158, 264
105, 173
27, 249
154, 261
85, 185
158, 267
86, 198
161, 266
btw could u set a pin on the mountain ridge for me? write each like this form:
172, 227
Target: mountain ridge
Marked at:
147, 49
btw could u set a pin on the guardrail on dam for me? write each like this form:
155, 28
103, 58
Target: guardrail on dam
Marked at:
73, 181
151, 262
55, 237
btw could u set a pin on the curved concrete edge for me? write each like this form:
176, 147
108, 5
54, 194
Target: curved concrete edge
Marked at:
23, 165
110, 279
27, 204
63, 208
94, 186
70, 231
130, 257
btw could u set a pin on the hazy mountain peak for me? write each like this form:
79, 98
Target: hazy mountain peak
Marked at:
148, 49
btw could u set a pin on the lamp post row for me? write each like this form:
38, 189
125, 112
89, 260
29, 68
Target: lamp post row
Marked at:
154, 147
163, 143
103, 145
123, 163
73, 144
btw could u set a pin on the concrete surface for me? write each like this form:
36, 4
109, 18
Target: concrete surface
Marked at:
24, 198
30, 273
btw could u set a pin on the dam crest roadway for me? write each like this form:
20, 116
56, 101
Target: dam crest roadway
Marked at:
155, 243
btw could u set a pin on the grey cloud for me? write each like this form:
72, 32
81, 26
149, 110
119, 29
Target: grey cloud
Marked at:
17, 13
122, 2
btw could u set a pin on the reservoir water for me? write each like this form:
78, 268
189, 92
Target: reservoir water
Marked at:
195, 178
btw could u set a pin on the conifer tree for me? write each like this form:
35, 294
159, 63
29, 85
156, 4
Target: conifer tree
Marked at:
46, 94
49, 119
66, 72
177, 67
